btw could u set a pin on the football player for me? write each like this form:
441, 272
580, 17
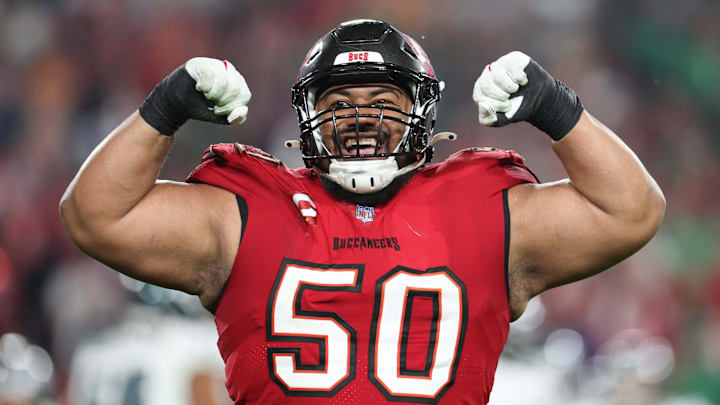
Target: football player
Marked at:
369, 276
157, 353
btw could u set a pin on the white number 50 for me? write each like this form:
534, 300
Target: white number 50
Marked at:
395, 293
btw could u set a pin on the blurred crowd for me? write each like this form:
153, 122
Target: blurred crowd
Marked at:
643, 333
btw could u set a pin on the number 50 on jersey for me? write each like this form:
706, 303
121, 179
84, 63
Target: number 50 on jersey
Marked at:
395, 293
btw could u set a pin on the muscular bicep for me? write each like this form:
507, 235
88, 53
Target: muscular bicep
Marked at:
181, 236
558, 236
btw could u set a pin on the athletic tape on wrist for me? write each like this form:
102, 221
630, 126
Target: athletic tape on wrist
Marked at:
159, 109
558, 116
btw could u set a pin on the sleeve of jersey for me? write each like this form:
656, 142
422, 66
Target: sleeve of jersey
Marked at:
240, 169
493, 169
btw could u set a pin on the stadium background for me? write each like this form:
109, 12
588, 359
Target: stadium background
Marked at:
646, 332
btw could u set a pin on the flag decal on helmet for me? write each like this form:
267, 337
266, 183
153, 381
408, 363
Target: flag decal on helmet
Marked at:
358, 56
364, 214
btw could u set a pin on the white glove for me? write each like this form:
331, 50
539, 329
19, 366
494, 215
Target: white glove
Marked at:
498, 81
516, 88
221, 83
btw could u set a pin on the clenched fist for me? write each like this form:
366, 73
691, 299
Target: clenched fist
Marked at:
515, 88
204, 89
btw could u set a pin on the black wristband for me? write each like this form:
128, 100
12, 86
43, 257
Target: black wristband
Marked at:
557, 115
160, 109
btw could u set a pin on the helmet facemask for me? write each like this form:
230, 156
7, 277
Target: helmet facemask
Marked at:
370, 171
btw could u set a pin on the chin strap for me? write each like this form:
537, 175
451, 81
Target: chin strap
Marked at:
366, 176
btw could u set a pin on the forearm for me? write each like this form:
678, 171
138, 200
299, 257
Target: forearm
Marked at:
608, 174
120, 171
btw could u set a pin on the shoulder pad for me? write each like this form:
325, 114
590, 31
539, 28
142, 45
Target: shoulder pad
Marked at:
475, 149
503, 157
231, 151
488, 152
257, 153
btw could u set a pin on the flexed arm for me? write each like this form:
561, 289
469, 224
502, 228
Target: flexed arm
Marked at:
171, 234
564, 231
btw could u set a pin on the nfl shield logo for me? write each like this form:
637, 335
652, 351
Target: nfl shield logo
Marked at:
365, 214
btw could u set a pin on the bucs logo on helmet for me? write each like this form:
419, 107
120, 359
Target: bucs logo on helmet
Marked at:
360, 52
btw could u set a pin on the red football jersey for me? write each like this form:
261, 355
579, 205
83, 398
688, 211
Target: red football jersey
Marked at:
331, 302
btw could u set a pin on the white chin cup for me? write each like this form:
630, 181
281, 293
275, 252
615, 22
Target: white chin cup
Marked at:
366, 176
